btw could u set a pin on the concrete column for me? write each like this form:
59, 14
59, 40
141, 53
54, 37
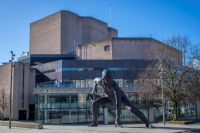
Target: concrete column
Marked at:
105, 116
70, 118
151, 115
45, 113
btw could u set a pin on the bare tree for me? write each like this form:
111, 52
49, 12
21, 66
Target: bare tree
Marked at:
4, 103
175, 56
194, 89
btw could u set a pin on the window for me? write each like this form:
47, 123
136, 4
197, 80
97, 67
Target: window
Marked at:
106, 48
89, 69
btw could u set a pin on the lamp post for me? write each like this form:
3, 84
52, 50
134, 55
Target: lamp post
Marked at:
162, 91
11, 61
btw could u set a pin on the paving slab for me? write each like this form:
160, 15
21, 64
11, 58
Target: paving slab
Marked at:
128, 128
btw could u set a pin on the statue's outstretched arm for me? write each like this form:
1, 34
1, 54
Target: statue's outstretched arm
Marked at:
97, 81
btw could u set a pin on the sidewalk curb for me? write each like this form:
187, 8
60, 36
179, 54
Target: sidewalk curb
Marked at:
189, 131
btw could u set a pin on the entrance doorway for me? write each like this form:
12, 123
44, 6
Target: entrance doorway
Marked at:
22, 114
31, 111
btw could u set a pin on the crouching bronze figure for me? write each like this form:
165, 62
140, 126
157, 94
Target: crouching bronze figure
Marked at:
114, 94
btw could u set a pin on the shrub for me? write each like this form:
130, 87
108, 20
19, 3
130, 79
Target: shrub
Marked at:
4, 119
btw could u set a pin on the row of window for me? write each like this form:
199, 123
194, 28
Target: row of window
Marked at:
67, 83
81, 100
92, 69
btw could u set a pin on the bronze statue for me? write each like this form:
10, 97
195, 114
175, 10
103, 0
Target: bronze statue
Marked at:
114, 94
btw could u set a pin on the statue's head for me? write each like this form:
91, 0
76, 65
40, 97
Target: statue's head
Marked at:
107, 77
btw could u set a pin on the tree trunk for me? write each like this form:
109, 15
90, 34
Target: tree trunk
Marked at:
3, 106
196, 112
175, 104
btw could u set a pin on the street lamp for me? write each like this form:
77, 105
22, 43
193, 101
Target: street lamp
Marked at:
162, 91
11, 61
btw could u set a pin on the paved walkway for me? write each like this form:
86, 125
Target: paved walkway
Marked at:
128, 128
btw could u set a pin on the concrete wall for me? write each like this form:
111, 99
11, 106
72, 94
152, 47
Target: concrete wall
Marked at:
61, 32
31, 97
76, 30
70, 31
112, 32
120, 48
5, 84
95, 50
131, 48
45, 35
19, 88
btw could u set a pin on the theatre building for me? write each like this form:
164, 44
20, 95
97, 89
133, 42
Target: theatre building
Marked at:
52, 84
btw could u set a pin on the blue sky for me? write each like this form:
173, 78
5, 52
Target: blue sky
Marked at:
132, 18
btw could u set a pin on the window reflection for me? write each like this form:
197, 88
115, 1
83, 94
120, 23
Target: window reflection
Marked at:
74, 116
82, 115
82, 100
65, 101
55, 101
111, 68
65, 118
89, 69
119, 82
47, 100
73, 100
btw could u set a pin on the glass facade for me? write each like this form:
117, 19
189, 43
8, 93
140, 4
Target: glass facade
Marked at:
65, 108
68, 83
76, 108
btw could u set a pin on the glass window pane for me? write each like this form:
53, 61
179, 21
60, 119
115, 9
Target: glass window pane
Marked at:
65, 117
126, 116
73, 83
111, 68
80, 69
89, 83
55, 116
82, 116
119, 82
74, 69
74, 116
73, 100
118, 68
132, 98
126, 68
47, 100
111, 116
82, 83
82, 100
134, 68
47, 116
66, 69
89, 114
38, 101
89, 69
100, 115
78, 84
65, 101
140, 68
55, 101
39, 116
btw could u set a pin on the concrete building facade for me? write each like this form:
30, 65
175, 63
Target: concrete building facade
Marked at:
53, 84
22, 88
61, 32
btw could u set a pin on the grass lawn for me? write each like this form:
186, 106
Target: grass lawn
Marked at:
178, 122
172, 121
